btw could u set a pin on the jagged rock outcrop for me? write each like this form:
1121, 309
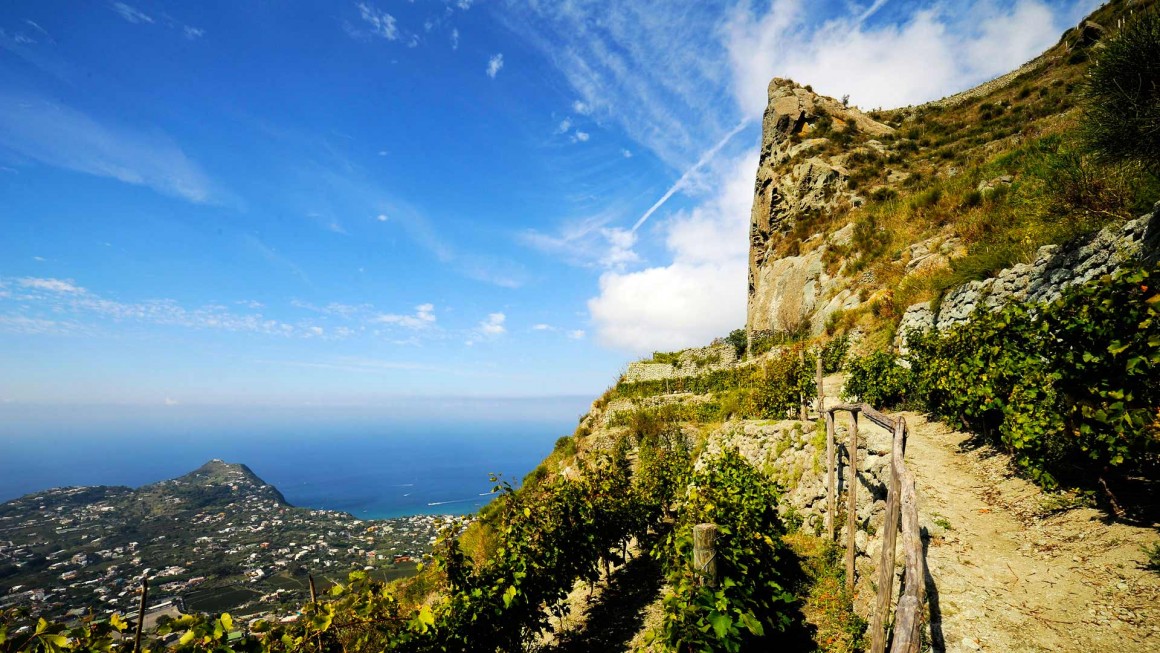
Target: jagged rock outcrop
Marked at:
1055, 268
798, 176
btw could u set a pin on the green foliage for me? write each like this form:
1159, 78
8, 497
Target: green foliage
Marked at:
739, 340
768, 390
669, 357
834, 353
1152, 555
749, 603
878, 379
1067, 388
1123, 94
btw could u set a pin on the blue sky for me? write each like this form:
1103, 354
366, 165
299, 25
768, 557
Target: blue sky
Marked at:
344, 203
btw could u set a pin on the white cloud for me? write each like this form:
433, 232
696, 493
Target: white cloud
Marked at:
169, 401
51, 285
193, 33
382, 217
932, 51
626, 153
701, 293
455, 38
494, 65
581, 108
577, 334
620, 244
131, 14
493, 325
543, 327
423, 318
580, 137
57, 135
381, 23
564, 126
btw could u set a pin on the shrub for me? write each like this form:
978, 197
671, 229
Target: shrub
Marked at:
834, 353
749, 602
1123, 94
878, 379
1067, 388
739, 340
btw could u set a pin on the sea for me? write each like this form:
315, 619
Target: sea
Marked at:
370, 465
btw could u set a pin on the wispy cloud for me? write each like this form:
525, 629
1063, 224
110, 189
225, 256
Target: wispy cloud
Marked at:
130, 13
58, 297
54, 134
51, 285
193, 33
494, 65
423, 318
379, 22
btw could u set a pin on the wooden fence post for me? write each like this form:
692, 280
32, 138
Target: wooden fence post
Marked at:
801, 395
141, 615
907, 637
889, 537
831, 476
313, 595
821, 390
852, 501
704, 553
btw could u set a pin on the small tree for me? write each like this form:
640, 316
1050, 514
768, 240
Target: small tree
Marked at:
1123, 95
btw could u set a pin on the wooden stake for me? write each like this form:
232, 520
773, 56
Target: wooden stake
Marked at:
831, 476
313, 595
908, 619
821, 390
889, 537
852, 502
801, 395
704, 554
141, 615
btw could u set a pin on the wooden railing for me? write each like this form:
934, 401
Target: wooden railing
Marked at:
901, 509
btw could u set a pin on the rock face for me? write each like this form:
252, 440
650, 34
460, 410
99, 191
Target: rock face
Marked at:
1055, 268
796, 179
795, 289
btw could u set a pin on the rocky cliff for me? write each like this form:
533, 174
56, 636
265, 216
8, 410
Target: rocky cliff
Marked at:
803, 172
861, 216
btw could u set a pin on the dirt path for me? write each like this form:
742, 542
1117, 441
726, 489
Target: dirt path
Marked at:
1014, 571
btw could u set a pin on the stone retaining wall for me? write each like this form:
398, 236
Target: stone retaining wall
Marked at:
1055, 268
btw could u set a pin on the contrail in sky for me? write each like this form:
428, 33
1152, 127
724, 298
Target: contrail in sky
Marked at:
705, 158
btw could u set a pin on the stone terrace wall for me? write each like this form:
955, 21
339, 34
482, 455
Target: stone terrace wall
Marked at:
692, 362
1055, 268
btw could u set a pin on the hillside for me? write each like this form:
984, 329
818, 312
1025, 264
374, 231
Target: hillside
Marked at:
216, 538
857, 217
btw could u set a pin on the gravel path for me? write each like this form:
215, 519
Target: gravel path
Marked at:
1012, 571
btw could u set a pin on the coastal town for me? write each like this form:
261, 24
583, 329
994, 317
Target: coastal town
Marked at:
214, 540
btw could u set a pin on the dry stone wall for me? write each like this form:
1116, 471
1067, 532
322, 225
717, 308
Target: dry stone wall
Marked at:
1054, 269
691, 362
